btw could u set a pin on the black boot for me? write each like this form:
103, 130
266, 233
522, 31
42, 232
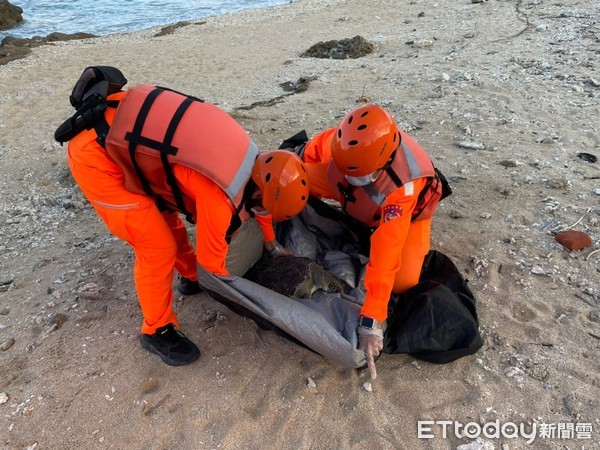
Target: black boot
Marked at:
188, 287
171, 345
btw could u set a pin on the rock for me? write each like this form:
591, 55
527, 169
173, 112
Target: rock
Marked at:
7, 344
574, 240
343, 49
12, 48
10, 15
471, 145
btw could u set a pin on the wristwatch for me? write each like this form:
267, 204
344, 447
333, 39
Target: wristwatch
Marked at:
370, 323
275, 251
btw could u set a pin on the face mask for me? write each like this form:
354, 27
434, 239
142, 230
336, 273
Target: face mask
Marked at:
363, 181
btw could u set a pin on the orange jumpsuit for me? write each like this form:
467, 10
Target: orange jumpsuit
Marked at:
398, 245
159, 239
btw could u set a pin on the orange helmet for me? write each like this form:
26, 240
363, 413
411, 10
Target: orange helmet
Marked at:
283, 181
364, 141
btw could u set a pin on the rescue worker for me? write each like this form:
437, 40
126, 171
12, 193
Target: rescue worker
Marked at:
385, 180
154, 153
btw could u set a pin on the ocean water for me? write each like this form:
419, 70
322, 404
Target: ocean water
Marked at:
101, 17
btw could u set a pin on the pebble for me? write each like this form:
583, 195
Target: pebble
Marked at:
7, 344
3, 398
367, 386
471, 145
311, 383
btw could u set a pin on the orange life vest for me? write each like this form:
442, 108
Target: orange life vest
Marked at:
409, 163
155, 127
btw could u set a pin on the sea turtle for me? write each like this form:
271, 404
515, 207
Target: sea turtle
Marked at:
295, 276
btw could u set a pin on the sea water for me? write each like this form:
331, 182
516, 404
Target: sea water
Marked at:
101, 17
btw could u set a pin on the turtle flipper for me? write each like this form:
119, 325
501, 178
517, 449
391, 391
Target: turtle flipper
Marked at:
326, 281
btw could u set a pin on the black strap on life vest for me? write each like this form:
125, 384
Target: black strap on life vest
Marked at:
165, 148
348, 194
236, 220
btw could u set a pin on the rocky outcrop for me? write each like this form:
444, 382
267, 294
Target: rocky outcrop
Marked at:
12, 48
10, 15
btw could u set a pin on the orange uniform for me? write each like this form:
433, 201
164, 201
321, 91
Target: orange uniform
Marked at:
401, 238
159, 239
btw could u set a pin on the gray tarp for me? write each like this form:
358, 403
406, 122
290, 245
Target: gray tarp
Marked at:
326, 323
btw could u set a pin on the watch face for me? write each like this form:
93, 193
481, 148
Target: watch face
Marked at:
367, 322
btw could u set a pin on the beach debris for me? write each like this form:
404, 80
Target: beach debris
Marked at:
213, 315
6, 284
349, 48
90, 290
367, 386
587, 157
295, 276
592, 253
573, 240
300, 85
471, 145
537, 270
311, 383
290, 88
3, 398
169, 29
7, 344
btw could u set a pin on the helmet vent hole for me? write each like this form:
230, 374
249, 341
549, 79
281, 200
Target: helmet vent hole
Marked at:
268, 177
364, 114
339, 133
351, 168
350, 119
362, 127
353, 142
303, 182
268, 160
303, 197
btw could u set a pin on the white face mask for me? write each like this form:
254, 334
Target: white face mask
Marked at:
363, 181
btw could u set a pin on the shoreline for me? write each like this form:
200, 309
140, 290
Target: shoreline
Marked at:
15, 32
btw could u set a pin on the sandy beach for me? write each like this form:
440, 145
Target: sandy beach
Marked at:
505, 97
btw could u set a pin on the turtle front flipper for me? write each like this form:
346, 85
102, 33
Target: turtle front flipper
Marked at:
326, 281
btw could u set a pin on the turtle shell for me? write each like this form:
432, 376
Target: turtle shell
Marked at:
295, 276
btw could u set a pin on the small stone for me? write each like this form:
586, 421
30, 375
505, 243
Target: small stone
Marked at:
367, 386
311, 383
3, 398
595, 316
471, 145
7, 344
538, 270
508, 163
574, 240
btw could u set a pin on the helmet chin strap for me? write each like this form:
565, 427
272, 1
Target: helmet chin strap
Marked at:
364, 180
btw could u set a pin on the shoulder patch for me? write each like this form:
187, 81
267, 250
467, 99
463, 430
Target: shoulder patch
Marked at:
391, 212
